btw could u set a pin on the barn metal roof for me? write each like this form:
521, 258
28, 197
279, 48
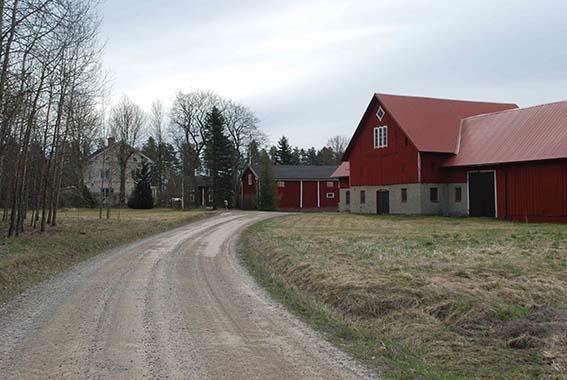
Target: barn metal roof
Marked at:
528, 134
342, 171
431, 124
303, 172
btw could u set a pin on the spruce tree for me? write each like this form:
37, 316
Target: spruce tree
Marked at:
218, 157
141, 197
284, 153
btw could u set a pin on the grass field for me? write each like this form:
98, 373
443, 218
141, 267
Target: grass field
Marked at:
423, 298
80, 234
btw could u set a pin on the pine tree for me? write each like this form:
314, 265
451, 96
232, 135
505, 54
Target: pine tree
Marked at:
284, 153
141, 197
266, 193
218, 157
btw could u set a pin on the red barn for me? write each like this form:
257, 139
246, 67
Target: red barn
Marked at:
298, 188
412, 155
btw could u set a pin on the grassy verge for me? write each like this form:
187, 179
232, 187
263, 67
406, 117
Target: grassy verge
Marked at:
425, 298
80, 234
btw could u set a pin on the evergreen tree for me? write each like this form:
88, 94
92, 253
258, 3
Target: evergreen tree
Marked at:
311, 157
141, 197
218, 157
284, 154
253, 153
295, 156
326, 156
266, 193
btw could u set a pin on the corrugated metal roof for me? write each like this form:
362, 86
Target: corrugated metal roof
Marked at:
528, 134
303, 172
433, 124
342, 171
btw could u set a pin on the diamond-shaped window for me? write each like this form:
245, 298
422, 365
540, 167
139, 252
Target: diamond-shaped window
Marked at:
380, 114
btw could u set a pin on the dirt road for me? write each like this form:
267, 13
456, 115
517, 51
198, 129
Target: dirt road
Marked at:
177, 306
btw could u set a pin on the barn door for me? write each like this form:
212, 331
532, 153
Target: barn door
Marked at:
482, 194
383, 202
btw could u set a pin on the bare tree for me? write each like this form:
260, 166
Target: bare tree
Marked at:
338, 145
242, 128
189, 129
126, 122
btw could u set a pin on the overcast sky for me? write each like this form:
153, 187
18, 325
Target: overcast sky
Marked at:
309, 68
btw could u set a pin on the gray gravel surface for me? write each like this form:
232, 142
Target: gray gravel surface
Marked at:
174, 306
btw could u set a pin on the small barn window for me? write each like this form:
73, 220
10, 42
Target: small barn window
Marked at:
192, 196
281, 184
330, 195
362, 197
330, 184
347, 197
380, 114
434, 195
249, 179
458, 194
380, 137
210, 197
404, 195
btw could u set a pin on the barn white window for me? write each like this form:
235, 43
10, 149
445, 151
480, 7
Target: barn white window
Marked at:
330, 195
249, 179
281, 184
380, 114
330, 184
380, 137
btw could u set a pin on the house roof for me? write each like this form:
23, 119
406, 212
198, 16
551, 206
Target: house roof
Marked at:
528, 134
108, 147
343, 171
303, 172
431, 124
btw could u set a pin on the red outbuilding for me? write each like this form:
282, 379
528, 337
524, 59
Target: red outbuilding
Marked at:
298, 187
414, 155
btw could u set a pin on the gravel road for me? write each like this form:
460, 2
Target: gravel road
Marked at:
173, 306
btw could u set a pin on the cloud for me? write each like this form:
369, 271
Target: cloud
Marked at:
308, 68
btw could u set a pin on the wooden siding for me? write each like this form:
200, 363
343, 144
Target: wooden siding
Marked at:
396, 164
533, 192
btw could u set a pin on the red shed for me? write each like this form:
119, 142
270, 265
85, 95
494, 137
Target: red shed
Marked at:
298, 187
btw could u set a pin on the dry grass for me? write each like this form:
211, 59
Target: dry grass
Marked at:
424, 297
80, 234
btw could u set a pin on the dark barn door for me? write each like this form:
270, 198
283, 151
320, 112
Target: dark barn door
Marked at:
383, 202
482, 194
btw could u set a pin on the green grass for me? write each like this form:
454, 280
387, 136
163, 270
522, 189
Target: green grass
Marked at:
423, 297
80, 234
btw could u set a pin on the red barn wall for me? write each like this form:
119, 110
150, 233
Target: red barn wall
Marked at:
396, 164
344, 183
309, 194
533, 192
324, 189
249, 191
288, 196
432, 170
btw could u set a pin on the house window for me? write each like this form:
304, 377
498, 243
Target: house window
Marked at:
380, 137
434, 195
330, 195
281, 184
362, 197
404, 195
380, 114
249, 179
458, 194
347, 197
330, 184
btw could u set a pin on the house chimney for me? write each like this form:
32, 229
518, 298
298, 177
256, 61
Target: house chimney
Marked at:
111, 140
